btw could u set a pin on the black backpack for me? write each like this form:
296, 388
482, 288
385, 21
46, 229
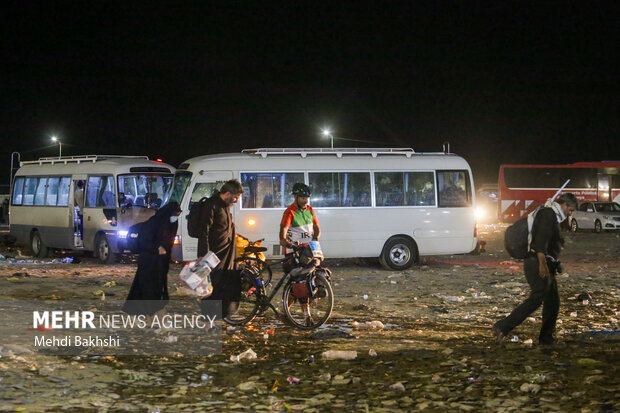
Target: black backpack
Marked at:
516, 238
196, 218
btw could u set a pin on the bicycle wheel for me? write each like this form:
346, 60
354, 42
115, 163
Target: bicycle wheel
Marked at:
249, 303
309, 313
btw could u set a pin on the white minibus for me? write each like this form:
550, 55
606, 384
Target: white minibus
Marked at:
391, 203
85, 202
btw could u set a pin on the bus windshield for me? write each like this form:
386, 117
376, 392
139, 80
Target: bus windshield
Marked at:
143, 190
179, 186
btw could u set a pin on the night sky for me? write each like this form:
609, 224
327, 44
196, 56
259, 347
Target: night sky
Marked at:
504, 82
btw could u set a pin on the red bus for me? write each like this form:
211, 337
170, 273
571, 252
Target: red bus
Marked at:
524, 187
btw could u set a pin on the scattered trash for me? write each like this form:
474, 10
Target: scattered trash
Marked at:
365, 296
205, 377
98, 292
293, 380
584, 296
368, 325
573, 314
110, 284
372, 353
530, 388
528, 342
275, 386
339, 354
325, 377
514, 339
2, 257
170, 339
453, 299
249, 354
330, 333
248, 385
397, 387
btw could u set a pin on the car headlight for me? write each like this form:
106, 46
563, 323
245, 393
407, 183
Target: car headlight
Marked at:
122, 234
606, 217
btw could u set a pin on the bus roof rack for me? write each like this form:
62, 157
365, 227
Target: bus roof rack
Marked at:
339, 152
79, 159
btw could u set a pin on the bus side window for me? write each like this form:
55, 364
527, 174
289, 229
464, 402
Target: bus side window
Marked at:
29, 191
39, 198
63, 191
92, 190
51, 197
18, 189
454, 190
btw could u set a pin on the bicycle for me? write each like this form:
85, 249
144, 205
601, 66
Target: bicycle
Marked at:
304, 281
253, 256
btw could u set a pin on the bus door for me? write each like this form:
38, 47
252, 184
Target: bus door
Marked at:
205, 185
76, 209
604, 188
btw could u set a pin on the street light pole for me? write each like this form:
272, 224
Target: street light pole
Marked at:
327, 133
55, 139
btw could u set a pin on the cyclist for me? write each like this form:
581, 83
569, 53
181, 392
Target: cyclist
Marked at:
299, 226
299, 222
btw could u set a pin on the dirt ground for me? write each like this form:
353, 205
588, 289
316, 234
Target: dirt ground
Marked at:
436, 352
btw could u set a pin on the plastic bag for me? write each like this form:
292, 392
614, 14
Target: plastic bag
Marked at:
197, 274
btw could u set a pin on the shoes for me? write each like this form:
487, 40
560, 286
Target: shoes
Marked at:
309, 322
547, 341
500, 336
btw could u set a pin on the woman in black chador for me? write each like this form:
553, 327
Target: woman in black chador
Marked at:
154, 245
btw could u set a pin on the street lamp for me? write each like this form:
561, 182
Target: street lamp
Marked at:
327, 133
55, 139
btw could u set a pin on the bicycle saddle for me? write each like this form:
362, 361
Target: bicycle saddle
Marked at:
254, 250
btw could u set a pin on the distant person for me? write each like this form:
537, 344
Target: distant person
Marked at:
155, 241
219, 236
540, 267
78, 195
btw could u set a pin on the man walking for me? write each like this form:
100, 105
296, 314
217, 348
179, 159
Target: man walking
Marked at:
540, 267
218, 236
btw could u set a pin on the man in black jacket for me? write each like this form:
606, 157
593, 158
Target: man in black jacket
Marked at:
219, 237
540, 267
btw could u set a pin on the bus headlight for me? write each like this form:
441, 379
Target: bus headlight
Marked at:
480, 213
122, 234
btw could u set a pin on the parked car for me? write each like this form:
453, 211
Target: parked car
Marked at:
486, 203
598, 216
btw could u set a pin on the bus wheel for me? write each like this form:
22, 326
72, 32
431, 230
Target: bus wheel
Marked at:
573, 225
39, 249
104, 251
598, 227
399, 253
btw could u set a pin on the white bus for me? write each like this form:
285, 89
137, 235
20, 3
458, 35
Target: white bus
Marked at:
85, 202
394, 204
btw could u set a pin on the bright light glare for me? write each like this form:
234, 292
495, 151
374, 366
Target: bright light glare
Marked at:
122, 234
480, 213
54, 139
326, 132
177, 240
251, 222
